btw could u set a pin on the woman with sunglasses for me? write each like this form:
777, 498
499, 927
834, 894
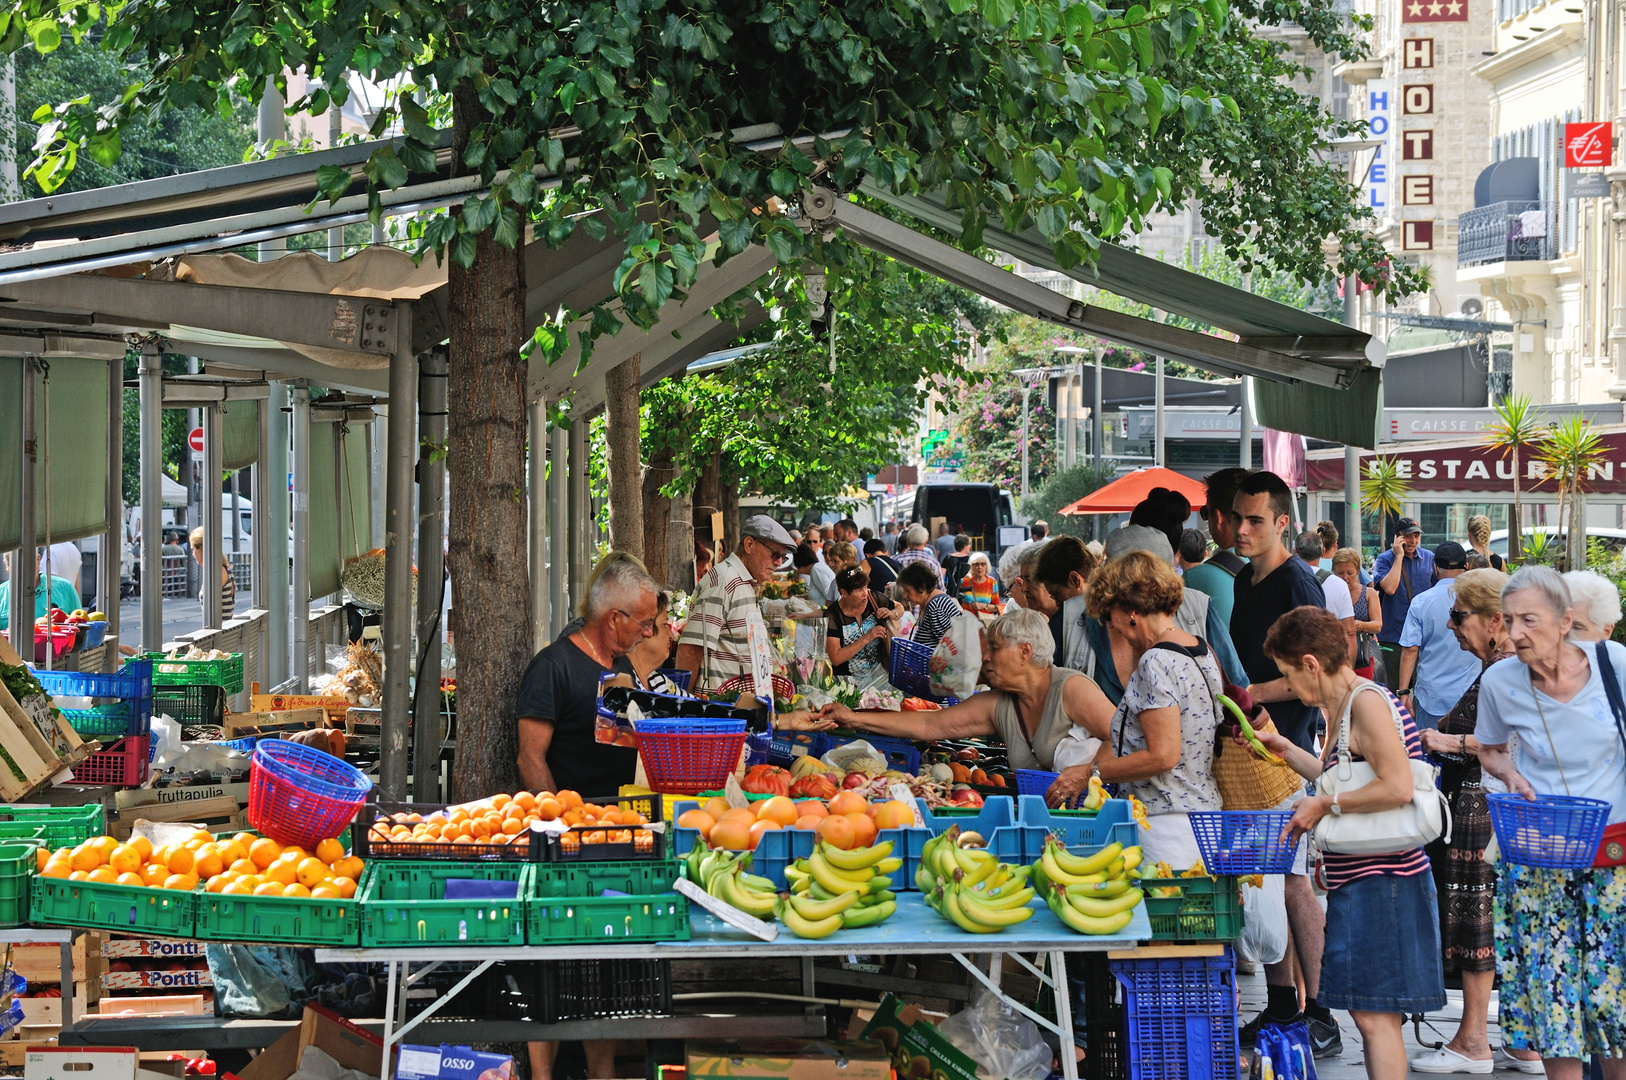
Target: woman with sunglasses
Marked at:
1464, 882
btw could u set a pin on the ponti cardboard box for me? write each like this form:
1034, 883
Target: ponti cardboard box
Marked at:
787, 1059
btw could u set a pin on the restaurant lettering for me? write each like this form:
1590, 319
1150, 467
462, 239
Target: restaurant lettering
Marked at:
1477, 468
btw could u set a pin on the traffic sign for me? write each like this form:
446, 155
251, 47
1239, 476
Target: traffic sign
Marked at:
194, 439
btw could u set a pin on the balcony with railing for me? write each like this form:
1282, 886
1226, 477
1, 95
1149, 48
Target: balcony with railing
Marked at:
1503, 232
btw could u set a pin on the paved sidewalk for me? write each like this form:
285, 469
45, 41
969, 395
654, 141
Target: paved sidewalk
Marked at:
1350, 1065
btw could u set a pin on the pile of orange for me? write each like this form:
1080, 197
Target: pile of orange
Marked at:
500, 819
246, 864
846, 821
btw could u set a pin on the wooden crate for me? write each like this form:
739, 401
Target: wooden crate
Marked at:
42, 964
33, 755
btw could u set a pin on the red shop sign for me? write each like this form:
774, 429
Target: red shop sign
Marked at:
1477, 467
1588, 144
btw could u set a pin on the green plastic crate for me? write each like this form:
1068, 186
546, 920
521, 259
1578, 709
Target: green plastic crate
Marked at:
53, 826
565, 920
283, 920
1208, 908
227, 673
18, 864
640, 877
402, 903
134, 909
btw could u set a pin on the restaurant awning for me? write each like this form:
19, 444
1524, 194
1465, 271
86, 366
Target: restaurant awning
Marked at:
1127, 492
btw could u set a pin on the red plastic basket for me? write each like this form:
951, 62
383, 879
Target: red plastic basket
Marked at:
300, 795
124, 764
683, 764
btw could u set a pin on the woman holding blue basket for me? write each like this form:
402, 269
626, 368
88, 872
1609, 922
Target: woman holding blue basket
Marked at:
1561, 893
1382, 957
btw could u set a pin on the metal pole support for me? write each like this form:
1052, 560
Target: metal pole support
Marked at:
213, 529
152, 499
431, 573
300, 607
398, 615
537, 490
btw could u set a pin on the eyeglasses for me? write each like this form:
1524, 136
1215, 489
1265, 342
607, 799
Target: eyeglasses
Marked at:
647, 624
1458, 616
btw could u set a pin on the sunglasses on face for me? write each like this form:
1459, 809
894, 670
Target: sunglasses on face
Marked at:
1458, 616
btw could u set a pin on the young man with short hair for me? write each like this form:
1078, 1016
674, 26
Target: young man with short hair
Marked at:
1273, 584
1217, 573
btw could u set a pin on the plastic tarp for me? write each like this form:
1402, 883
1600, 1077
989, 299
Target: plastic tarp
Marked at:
239, 434
326, 564
74, 461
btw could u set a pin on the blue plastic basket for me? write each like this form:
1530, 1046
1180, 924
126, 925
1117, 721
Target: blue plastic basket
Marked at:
1559, 832
901, 754
688, 725
1244, 841
133, 680
759, 748
678, 676
301, 795
95, 634
909, 668
1181, 1015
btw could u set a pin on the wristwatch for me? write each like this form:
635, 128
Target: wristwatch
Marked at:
1337, 811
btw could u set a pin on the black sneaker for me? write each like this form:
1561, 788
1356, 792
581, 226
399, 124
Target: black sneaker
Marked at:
1248, 1035
1326, 1039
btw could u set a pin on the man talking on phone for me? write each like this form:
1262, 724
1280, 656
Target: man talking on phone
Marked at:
1403, 573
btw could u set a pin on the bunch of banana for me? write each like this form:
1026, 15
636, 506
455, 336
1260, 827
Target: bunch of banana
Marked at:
722, 874
970, 887
1093, 894
833, 889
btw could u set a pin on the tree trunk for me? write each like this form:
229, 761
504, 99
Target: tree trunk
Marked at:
680, 545
708, 498
729, 503
657, 515
486, 462
621, 386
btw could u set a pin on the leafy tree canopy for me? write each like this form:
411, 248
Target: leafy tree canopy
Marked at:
1074, 117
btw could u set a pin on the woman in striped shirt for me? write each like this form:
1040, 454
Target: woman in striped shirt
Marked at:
1382, 957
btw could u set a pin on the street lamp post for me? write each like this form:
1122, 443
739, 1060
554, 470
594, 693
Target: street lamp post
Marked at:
1026, 390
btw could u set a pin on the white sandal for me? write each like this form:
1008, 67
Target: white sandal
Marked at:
1447, 1060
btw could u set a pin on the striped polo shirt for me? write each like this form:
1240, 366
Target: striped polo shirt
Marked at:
717, 623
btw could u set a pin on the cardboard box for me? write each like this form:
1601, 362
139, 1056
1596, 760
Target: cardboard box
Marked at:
157, 980
168, 1005
334, 705
175, 794
80, 1063
916, 1048
122, 948
446, 1062
349, 1045
787, 1059
270, 722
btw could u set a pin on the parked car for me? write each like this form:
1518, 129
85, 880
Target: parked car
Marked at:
1613, 539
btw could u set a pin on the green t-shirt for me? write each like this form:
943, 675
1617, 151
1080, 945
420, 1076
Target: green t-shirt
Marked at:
63, 595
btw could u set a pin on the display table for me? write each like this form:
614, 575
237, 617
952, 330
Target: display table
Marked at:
913, 930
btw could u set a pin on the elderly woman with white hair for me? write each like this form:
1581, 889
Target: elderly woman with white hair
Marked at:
979, 590
1560, 934
1596, 603
1032, 704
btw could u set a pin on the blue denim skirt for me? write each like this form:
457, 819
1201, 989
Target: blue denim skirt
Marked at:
1383, 946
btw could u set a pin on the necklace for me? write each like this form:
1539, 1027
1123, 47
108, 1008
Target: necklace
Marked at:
586, 646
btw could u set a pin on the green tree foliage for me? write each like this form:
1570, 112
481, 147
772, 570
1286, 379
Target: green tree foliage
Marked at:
1074, 117
791, 427
1063, 489
988, 411
176, 141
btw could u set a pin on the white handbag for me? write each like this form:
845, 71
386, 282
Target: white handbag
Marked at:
1422, 821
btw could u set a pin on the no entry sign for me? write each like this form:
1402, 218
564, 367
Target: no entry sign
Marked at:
194, 439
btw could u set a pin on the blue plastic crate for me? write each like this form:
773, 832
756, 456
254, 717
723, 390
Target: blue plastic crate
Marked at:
1181, 1017
133, 680
1113, 822
996, 821
777, 849
901, 754
758, 749
679, 677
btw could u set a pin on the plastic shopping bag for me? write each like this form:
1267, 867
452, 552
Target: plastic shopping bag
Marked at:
957, 661
1002, 1041
1282, 1052
1264, 922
